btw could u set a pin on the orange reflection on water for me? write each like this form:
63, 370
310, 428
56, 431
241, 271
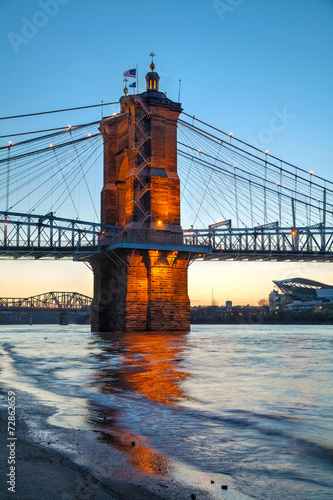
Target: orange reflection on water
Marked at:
150, 461
142, 455
150, 366
153, 360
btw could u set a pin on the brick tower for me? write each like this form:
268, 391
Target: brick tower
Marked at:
140, 280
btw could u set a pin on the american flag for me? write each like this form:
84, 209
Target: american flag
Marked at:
130, 72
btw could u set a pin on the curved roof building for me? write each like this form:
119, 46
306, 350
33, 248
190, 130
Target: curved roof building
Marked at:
305, 289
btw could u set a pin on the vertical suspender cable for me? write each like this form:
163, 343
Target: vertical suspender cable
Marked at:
84, 176
65, 181
251, 203
265, 197
323, 241
236, 197
324, 207
293, 210
279, 195
8, 180
310, 204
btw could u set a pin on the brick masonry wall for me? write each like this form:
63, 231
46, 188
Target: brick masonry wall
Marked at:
149, 293
141, 290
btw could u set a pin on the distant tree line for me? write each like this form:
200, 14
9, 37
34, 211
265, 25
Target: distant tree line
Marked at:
258, 315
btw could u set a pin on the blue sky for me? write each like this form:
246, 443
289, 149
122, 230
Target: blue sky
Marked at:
240, 62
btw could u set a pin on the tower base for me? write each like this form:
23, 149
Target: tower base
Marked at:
140, 290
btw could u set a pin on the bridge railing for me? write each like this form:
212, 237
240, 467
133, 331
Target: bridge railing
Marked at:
25, 234
310, 239
19, 230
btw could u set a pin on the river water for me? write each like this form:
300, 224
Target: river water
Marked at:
249, 403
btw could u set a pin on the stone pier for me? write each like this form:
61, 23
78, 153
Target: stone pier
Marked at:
140, 279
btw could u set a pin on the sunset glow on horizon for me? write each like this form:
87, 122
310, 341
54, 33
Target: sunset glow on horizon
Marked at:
273, 90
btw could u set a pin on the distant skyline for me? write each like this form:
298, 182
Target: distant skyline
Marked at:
241, 63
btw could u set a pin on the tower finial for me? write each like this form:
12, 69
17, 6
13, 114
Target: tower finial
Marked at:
152, 78
125, 88
152, 65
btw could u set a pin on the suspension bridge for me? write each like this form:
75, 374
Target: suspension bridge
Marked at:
172, 184
264, 208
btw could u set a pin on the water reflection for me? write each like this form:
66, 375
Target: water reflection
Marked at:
146, 364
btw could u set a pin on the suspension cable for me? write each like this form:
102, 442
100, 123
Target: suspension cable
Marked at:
58, 110
246, 144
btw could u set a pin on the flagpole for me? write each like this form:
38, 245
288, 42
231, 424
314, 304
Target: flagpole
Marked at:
137, 79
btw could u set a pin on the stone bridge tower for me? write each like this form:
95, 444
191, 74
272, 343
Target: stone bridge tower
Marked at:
140, 280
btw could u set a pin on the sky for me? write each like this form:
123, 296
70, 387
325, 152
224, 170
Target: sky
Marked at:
240, 62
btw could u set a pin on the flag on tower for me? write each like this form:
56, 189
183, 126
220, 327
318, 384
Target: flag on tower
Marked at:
133, 84
130, 72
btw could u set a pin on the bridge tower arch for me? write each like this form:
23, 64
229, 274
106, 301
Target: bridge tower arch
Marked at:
140, 282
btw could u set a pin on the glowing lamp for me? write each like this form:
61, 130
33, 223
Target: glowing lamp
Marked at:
159, 222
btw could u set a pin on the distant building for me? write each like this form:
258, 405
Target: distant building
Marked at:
228, 304
301, 294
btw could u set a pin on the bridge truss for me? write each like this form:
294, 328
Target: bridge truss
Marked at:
70, 301
268, 244
27, 235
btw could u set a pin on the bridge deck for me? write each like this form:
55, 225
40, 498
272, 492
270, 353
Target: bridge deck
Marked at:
203, 253
49, 237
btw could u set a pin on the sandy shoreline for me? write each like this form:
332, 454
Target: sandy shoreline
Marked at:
61, 464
